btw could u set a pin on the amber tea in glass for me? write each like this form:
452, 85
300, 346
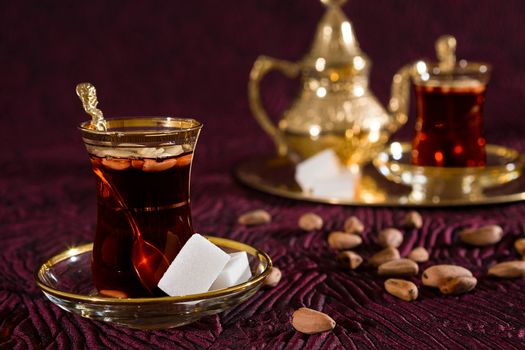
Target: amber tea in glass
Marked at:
142, 169
449, 119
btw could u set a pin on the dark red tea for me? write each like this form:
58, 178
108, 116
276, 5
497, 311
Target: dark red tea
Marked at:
448, 128
155, 194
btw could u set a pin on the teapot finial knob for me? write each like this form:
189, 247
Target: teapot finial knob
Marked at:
446, 52
333, 2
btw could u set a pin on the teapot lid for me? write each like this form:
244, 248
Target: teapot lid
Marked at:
335, 42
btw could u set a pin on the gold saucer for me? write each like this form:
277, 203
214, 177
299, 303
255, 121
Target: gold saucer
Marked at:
275, 175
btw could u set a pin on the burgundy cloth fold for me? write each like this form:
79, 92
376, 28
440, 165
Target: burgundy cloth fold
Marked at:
193, 59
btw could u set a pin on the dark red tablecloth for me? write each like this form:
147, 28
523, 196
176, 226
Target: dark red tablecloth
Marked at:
193, 60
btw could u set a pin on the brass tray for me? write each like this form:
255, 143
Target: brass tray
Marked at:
275, 175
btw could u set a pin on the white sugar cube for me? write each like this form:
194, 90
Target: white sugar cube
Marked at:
322, 165
236, 271
340, 185
194, 269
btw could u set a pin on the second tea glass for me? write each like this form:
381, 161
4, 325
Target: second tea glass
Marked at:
449, 120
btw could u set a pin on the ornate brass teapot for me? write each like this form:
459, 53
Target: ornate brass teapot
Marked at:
334, 109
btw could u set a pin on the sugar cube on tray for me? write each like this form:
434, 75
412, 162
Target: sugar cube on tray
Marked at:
320, 165
340, 185
323, 175
201, 266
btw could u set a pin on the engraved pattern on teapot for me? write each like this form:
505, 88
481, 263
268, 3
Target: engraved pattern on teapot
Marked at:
335, 108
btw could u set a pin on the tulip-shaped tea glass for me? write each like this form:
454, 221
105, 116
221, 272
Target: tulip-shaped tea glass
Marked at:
142, 168
450, 98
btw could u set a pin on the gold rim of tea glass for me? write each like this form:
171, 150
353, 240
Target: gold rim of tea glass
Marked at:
178, 125
228, 243
462, 68
480, 71
154, 129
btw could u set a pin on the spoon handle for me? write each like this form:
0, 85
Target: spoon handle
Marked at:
88, 95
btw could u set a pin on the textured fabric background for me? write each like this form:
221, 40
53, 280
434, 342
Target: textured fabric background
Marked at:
193, 59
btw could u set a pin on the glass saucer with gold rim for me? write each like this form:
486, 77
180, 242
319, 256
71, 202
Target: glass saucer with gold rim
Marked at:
435, 184
65, 279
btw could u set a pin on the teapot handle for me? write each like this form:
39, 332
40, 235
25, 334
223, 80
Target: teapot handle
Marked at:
261, 67
400, 97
